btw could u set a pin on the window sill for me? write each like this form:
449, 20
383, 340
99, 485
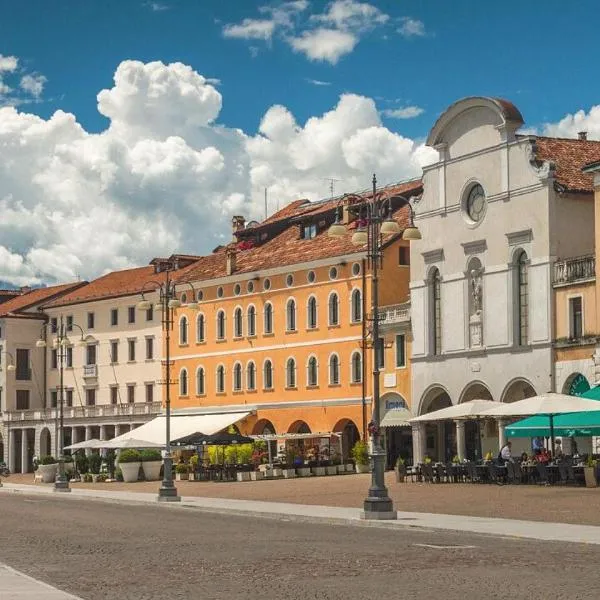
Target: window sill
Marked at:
149, 360
221, 393
186, 345
200, 395
131, 362
335, 385
251, 391
356, 383
268, 334
269, 389
238, 337
291, 331
221, 341
237, 392
251, 337
401, 367
334, 326
184, 397
311, 329
291, 387
359, 322
312, 387
200, 342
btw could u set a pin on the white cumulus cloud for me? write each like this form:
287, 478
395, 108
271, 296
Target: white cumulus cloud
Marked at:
571, 124
324, 44
406, 112
411, 27
33, 84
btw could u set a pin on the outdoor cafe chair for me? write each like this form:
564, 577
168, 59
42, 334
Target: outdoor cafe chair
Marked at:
566, 472
440, 473
510, 472
519, 473
472, 474
542, 473
427, 471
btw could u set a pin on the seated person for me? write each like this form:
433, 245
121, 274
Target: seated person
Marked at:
558, 451
543, 457
524, 458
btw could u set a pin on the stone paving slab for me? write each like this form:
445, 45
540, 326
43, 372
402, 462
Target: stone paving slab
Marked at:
587, 534
15, 585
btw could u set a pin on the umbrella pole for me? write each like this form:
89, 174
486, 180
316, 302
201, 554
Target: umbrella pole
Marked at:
552, 436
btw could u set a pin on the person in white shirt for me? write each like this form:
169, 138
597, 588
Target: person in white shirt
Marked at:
505, 453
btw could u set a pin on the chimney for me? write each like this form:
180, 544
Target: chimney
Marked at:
230, 255
25, 289
582, 135
238, 222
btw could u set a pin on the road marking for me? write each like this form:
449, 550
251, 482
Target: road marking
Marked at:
15, 584
444, 547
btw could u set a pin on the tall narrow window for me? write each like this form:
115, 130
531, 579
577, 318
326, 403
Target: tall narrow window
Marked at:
356, 367
90, 397
90, 320
380, 353
356, 308
221, 325
268, 375
69, 398
69, 357
251, 321
149, 348
114, 316
251, 376
131, 314
183, 382
291, 315
522, 300
200, 382
114, 351
312, 378
131, 349
150, 314
54, 358
334, 309
90, 354
576, 318
200, 328
237, 323
130, 393
183, 330
311, 313
334, 369
237, 377
268, 318
149, 393
400, 351
220, 379
114, 394
290, 373
436, 313
23, 371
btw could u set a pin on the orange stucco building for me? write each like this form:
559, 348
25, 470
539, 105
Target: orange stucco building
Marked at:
279, 329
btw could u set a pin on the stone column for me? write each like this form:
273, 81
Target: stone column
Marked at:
88, 436
24, 455
12, 450
501, 433
102, 432
461, 442
418, 439
441, 441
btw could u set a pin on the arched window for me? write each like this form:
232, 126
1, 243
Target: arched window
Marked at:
183, 330
237, 377
334, 309
356, 309
200, 381
356, 367
251, 376
290, 373
268, 375
522, 299
251, 321
220, 379
311, 313
221, 325
291, 315
183, 382
268, 318
334, 369
200, 328
436, 312
238, 323
312, 375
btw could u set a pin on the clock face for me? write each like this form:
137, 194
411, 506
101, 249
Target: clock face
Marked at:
476, 204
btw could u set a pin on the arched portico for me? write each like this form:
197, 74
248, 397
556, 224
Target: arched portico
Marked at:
439, 438
45, 442
350, 435
517, 389
576, 384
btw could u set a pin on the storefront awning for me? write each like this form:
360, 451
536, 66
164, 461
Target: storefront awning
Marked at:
182, 425
396, 418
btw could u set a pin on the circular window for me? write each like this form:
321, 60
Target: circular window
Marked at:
237, 289
267, 284
289, 280
199, 295
250, 286
219, 292
183, 298
356, 269
333, 273
476, 204
311, 276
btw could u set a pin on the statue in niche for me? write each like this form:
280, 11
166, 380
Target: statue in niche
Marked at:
475, 319
476, 290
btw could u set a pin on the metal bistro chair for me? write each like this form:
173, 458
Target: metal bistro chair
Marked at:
494, 474
519, 473
427, 471
542, 473
566, 472
510, 472
472, 474
440, 473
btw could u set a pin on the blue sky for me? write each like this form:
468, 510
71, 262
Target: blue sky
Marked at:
540, 56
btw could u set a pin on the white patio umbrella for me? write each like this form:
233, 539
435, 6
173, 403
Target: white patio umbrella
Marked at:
466, 410
87, 444
130, 443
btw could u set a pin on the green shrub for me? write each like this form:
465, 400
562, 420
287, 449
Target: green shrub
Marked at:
68, 458
194, 460
118, 475
181, 468
129, 455
94, 463
47, 460
150, 454
360, 453
81, 462
110, 458
244, 454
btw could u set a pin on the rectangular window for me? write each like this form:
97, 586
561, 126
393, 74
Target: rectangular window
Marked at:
576, 318
114, 395
131, 349
23, 372
69, 356
54, 359
149, 348
53, 399
91, 318
309, 231
131, 314
90, 397
69, 398
114, 351
90, 354
150, 314
22, 399
114, 316
404, 255
130, 393
400, 351
53, 324
381, 353
69, 322
150, 392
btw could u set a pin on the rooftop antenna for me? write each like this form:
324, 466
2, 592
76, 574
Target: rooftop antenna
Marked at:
266, 209
331, 185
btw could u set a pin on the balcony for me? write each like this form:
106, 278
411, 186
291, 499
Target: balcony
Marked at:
90, 371
575, 270
394, 314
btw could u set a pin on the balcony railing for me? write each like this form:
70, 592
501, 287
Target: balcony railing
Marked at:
394, 314
90, 371
85, 412
573, 270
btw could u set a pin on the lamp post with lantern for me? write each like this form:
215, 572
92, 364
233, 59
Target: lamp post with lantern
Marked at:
374, 220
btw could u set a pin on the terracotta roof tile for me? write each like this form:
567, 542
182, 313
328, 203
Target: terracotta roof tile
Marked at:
24, 301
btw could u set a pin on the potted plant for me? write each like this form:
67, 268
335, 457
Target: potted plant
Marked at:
68, 460
400, 470
129, 463
332, 467
289, 469
94, 465
110, 458
47, 466
151, 463
81, 463
360, 454
589, 472
181, 472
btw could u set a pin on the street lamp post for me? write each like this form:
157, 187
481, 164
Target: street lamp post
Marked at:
168, 303
375, 219
61, 341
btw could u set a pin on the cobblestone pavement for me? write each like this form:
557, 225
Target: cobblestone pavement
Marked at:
529, 502
107, 551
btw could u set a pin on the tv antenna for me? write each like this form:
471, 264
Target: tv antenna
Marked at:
332, 181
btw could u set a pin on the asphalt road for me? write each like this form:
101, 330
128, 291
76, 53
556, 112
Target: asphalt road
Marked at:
103, 551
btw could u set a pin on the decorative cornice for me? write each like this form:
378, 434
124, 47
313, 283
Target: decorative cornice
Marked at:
516, 238
433, 256
476, 247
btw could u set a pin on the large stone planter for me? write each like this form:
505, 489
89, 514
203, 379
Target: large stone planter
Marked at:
257, 475
152, 469
304, 472
276, 472
288, 473
182, 476
331, 470
349, 468
362, 468
130, 471
319, 471
243, 475
68, 468
48, 472
590, 477
341, 469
